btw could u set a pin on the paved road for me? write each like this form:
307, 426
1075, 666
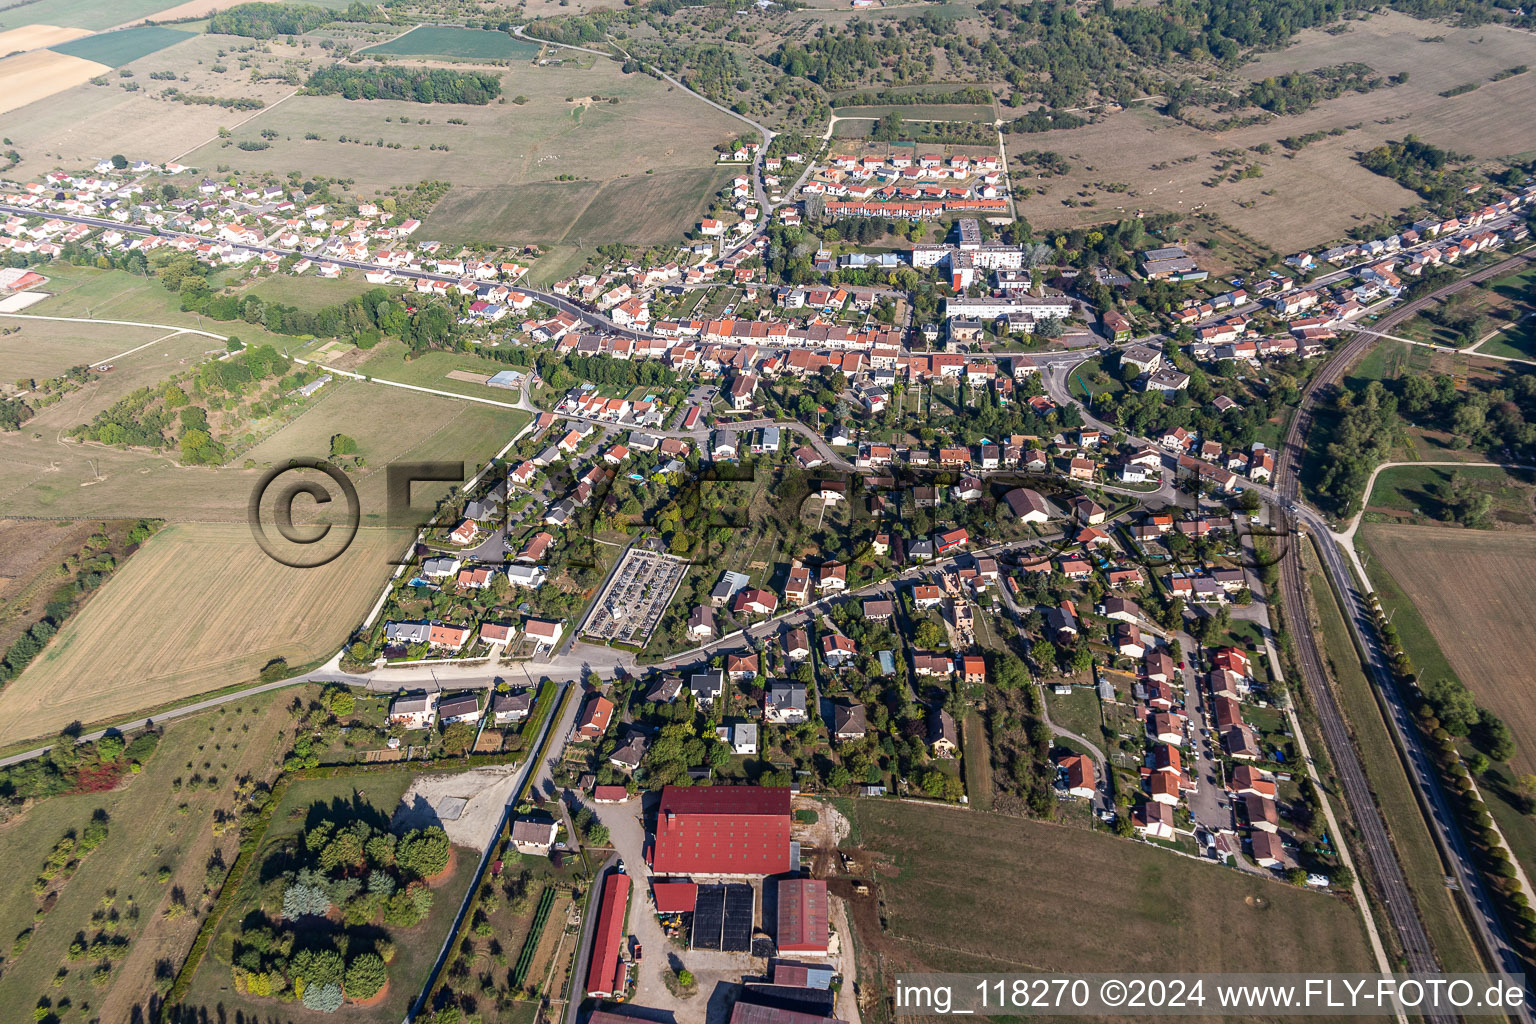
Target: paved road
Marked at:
1351, 776
559, 302
550, 727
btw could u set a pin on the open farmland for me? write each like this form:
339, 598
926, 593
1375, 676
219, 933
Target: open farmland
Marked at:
453, 41
29, 77
158, 824
44, 476
192, 611
1119, 907
40, 349
32, 37
91, 14
70, 124
505, 159
1139, 160
1473, 590
115, 49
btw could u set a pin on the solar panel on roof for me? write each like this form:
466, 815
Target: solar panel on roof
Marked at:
708, 917
736, 936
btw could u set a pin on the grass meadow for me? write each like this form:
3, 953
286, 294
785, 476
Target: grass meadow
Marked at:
641, 153
455, 41
158, 822
1139, 160
1118, 906
1416, 849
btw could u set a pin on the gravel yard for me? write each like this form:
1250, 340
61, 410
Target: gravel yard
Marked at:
468, 806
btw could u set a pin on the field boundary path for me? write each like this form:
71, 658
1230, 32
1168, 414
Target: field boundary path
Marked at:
1470, 350
1399, 900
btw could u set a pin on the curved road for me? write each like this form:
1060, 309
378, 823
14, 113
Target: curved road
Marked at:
1375, 838
559, 302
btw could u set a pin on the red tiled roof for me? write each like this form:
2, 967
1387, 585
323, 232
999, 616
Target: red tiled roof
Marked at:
595, 716
724, 830
675, 897
605, 975
802, 915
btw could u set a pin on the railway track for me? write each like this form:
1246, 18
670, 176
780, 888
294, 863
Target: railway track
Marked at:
1375, 839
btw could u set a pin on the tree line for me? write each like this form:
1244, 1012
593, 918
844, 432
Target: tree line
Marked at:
419, 85
267, 20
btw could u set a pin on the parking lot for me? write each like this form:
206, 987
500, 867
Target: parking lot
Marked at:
637, 594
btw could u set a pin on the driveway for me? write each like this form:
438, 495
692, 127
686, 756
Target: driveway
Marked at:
626, 828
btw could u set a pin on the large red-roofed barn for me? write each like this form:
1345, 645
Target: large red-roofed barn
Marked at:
722, 830
607, 974
803, 916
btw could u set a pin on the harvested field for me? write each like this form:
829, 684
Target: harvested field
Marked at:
1129, 905
1474, 591
192, 612
33, 76
454, 41
79, 124
115, 49
1139, 160
33, 37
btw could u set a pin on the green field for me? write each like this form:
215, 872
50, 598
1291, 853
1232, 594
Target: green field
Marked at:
374, 796
453, 41
1416, 849
1415, 490
115, 49
929, 112
310, 291
1518, 342
1080, 897
431, 369
80, 13
159, 820
1077, 712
